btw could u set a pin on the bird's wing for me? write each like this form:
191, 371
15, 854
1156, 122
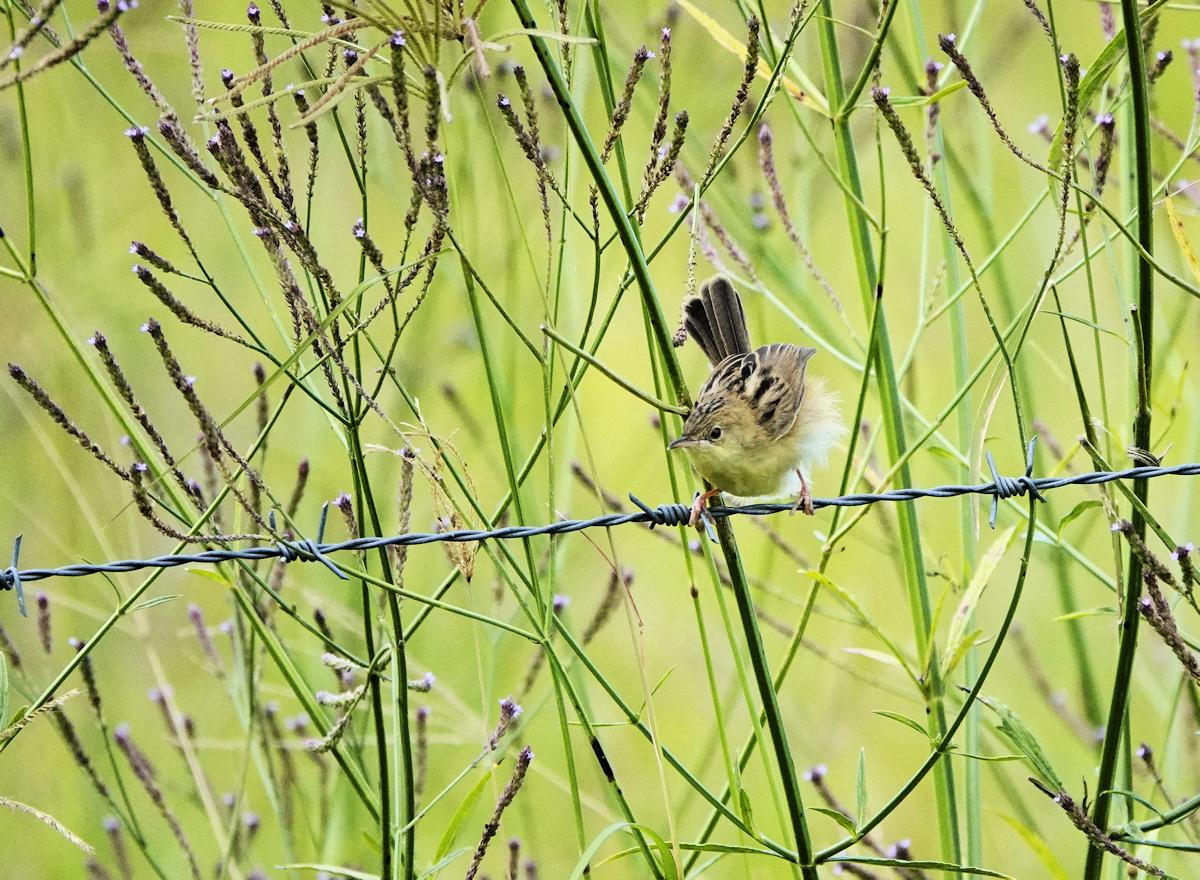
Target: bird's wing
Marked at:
775, 387
771, 381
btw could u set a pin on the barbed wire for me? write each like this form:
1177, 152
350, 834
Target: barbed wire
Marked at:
316, 550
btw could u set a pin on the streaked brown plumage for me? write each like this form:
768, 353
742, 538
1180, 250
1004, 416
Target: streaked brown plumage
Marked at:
759, 421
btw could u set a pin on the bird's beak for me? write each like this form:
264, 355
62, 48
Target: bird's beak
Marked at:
681, 442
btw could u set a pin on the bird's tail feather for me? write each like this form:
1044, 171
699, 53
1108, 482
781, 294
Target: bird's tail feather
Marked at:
716, 320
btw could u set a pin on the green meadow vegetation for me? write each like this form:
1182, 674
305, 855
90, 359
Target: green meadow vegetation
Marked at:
314, 271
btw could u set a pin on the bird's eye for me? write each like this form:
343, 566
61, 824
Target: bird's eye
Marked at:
715, 433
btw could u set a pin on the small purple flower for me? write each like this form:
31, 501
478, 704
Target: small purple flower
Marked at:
397, 38
189, 381
137, 132
350, 55
561, 601
252, 12
16, 52
815, 774
424, 684
358, 229
140, 467
1183, 551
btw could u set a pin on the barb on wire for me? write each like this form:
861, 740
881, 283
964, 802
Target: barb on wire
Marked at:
315, 550
1011, 487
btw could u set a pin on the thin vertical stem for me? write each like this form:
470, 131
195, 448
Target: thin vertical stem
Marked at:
920, 606
766, 688
1144, 320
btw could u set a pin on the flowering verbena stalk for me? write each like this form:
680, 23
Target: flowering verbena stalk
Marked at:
301, 182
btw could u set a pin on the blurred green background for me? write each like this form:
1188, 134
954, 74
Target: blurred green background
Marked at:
92, 199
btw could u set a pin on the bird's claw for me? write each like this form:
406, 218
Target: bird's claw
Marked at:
700, 513
804, 502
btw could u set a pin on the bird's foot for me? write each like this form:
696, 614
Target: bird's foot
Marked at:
804, 502
700, 506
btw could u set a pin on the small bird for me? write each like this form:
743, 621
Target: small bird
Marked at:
759, 421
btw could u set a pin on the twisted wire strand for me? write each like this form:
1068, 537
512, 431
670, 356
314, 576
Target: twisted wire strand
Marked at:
316, 550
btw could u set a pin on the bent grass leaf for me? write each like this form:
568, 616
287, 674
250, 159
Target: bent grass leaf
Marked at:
872, 654
1085, 322
583, 866
950, 661
460, 816
335, 870
1181, 238
1054, 868
865, 621
157, 600
804, 91
924, 865
905, 720
1077, 511
860, 788
956, 641
1134, 796
934, 621
1019, 734
437, 866
840, 818
1098, 611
